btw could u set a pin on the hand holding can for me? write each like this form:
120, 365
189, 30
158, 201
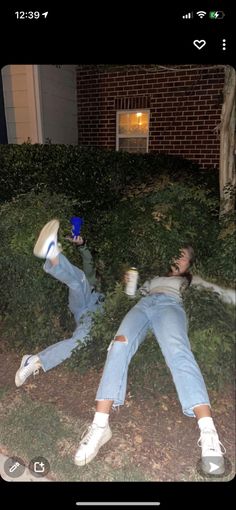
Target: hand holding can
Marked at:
131, 280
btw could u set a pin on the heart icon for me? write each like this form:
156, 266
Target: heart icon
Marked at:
199, 44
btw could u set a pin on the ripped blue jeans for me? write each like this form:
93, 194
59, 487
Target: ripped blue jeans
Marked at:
166, 317
82, 302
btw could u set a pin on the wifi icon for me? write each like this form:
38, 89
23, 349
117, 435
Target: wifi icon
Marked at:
201, 14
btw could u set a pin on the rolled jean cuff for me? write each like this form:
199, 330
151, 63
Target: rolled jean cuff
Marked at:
116, 403
190, 413
41, 362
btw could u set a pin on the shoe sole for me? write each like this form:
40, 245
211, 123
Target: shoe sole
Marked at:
50, 229
206, 468
84, 462
18, 381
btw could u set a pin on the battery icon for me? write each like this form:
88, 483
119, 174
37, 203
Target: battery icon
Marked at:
216, 14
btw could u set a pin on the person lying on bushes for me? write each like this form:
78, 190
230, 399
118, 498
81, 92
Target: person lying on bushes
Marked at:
161, 310
83, 299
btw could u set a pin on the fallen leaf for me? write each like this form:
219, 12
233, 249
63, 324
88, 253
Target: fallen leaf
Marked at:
156, 465
164, 407
31, 386
138, 439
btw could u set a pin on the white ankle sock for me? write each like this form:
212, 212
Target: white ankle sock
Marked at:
101, 419
206, 423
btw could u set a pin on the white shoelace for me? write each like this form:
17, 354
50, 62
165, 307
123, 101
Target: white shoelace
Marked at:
89, 433
28, 371
87, 436
209, 442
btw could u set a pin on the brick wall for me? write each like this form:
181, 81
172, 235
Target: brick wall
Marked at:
185, 107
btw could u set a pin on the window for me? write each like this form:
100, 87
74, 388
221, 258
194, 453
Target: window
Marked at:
132, 128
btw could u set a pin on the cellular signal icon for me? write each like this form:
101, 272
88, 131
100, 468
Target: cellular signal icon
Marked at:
188, 16
201, 14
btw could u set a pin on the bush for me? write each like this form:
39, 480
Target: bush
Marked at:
104, 173
33, 306
211, 333
222, 262
105, 325
145, 228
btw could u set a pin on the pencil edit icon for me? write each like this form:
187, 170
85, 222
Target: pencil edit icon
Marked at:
14, 467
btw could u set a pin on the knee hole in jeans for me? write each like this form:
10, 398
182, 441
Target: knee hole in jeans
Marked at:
121, 338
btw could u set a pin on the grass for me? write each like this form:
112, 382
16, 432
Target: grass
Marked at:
30, 429
4, 390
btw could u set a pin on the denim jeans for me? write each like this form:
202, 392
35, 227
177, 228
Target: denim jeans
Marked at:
82, 302
165, 316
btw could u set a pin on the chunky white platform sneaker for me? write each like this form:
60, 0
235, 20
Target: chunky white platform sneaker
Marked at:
89, 446
30, 364
46, 246
212, 452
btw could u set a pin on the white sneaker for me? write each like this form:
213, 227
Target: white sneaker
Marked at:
212, 452
30, 364
46, 246
92, 441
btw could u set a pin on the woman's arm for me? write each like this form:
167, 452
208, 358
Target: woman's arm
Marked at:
87, 259
88, 265
145, 288
227, 295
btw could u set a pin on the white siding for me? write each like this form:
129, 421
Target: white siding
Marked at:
58, 103
40, 103
20, 117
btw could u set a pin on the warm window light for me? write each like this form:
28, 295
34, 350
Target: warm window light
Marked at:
139, 115
132, 131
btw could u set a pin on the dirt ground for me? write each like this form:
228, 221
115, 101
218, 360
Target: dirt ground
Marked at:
150, 427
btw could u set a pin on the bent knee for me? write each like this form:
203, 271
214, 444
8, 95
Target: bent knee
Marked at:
118, 340
121, 338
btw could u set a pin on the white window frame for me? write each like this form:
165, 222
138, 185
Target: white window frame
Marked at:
136, 110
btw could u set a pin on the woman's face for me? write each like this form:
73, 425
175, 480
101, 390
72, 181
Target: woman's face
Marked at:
181, 264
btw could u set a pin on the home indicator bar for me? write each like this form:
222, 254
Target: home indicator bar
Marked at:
120, 503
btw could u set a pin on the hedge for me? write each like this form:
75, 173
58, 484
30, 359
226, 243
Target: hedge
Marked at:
74, 170
146, 228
